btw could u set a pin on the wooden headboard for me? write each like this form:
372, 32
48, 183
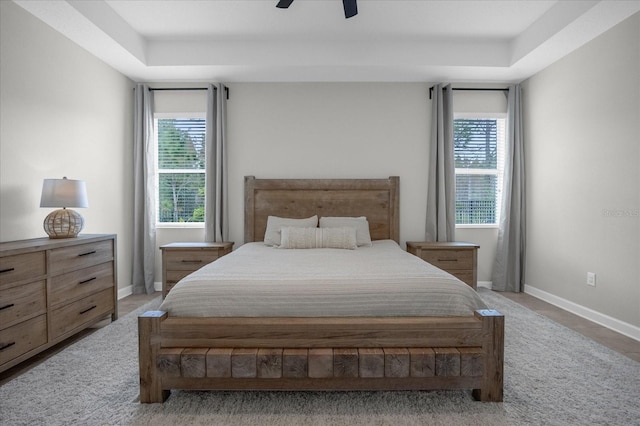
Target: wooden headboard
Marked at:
377, 199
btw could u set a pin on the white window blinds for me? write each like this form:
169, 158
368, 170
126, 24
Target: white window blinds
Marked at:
479, 159
180, 169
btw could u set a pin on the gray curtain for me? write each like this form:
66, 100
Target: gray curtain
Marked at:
441, 184
144, 230
508, 271
216, 223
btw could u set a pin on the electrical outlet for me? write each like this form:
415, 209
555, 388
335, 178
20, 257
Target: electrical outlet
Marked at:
591, 279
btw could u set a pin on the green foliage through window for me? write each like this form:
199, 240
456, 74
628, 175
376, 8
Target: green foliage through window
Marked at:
181, 170
475, 143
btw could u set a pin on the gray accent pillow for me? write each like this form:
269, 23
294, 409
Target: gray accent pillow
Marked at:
275, 224
361, 224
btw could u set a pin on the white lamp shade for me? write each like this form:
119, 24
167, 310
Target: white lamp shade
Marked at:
64, 193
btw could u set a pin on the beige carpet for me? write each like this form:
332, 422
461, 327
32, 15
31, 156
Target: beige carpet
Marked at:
553, 376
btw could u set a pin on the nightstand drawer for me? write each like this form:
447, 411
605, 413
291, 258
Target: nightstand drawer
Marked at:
175, 276
18, 303
22, 337
73, 315
449, 259
21, 267
180, 259
70, 286
80, 256
172, 279
464, 276
458, 258
189, 260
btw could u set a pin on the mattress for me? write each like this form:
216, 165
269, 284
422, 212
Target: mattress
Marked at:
381, 280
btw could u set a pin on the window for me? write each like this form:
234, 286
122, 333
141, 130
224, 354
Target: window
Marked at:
180, 171
479, 157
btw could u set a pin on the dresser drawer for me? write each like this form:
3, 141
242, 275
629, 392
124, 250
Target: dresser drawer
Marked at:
21, 267
80, 256
81, 283
80, 312
22, 337
449, 260
18, 303
189, 260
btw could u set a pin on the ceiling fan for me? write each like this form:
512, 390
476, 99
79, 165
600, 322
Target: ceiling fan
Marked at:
350, 7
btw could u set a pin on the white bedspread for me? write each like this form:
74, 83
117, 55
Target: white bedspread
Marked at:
382, 280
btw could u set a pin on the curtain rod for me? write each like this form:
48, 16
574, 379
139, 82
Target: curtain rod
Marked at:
471, 89
226, 89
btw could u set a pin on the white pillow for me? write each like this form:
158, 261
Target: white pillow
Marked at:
360, 223
275, 224
308, 238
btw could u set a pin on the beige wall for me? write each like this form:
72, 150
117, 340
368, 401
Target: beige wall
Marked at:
62, 113
328, 130
582, 144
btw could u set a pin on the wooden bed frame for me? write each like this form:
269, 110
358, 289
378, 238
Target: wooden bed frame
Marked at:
347, 353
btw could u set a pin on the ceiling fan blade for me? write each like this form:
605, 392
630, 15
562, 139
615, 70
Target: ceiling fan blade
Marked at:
350, 8
284, 4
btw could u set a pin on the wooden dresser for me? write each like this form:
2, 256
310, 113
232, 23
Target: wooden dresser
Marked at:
458, 258
181, 259
51, 289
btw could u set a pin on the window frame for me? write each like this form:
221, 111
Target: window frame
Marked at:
499, 171
172, 115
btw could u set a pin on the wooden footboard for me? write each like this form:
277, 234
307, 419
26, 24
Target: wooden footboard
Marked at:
321, 354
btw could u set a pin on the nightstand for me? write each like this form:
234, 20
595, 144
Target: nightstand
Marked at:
457, 258
181, 259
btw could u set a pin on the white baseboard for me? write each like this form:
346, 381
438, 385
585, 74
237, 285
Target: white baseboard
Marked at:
621, 327
124, 292
128, 291
485, 284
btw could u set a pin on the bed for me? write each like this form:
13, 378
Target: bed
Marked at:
324, 349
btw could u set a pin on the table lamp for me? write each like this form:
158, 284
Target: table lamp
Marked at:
64, 222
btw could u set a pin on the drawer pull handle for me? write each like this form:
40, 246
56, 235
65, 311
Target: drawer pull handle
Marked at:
88, 309
7, 270
6, 306
192, 261
88, 280
87, 253
447, 260
7, 346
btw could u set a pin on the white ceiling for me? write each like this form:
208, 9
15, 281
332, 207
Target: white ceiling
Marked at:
389, 40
